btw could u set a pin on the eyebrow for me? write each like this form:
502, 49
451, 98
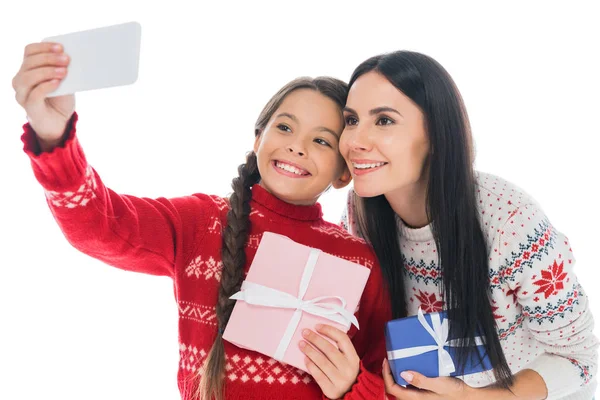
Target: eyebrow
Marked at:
290, 116
376, 110
295, 119
324, 129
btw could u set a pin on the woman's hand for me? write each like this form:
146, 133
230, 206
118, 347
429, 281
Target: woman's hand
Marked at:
443, 388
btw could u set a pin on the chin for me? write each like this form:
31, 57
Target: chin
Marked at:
285, 192
366, 190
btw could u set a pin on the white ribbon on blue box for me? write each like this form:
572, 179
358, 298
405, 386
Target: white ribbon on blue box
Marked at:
259, 295
438, 330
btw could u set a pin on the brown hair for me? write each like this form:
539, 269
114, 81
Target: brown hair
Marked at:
235, 233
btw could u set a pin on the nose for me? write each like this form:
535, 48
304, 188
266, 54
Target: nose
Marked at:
296, 148
359, 140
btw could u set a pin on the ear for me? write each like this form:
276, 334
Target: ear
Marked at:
257, 140
344, 179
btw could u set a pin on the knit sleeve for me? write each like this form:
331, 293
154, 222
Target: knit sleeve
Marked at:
131, 233
539, 269
369, 341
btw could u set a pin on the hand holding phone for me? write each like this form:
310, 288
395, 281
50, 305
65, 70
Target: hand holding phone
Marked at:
53, 70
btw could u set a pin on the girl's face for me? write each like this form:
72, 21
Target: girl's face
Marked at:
384, 142
298, 154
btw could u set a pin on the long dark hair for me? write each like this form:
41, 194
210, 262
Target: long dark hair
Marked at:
451, 208
235, 234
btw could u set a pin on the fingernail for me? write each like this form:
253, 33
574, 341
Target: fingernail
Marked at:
305, 333
60, 70
302, 344
407, 376
63, 58
57, 47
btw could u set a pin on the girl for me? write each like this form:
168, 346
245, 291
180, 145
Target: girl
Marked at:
207, 243
468, 242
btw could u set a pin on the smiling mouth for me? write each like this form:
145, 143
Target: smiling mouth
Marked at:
364, 166
361, 168
290, 170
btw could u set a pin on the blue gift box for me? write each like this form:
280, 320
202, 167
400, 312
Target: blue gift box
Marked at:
412, 346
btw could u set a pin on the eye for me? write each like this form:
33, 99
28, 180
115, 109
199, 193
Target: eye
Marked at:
322, 142
384, 121
350, 120
284, 128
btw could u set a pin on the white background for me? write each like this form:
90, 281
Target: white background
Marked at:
73, 328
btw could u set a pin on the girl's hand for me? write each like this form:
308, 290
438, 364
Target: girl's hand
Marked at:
445, 388
44, 67
334, 369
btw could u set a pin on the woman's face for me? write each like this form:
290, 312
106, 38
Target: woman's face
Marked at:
384, 142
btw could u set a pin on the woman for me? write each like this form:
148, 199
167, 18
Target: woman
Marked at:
469, 242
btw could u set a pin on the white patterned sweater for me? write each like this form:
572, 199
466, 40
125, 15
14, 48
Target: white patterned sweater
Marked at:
541, 310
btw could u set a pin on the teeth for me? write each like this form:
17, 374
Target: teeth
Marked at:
289, 168
367, 166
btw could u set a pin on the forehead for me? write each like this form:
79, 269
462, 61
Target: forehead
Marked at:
311, 108
373, 90
306, 99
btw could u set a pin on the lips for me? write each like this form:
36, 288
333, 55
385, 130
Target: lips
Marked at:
367, 165
290, 169
362, 167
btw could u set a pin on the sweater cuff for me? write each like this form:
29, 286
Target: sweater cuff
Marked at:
368, 386
62, 168
557, 373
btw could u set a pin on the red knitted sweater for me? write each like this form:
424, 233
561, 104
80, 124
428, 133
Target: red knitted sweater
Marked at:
181, 238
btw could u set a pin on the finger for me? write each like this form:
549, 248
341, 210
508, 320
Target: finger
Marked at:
25, 82
45, 60
319, 376
325, 347
320, 360
342, 340
40, 67
42, 47
439, 385
391, 387
41, 91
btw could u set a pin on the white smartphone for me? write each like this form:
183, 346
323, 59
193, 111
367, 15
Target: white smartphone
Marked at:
100, 58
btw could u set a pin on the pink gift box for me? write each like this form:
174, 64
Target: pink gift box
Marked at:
281, 267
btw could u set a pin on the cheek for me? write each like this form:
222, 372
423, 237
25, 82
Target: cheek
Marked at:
407, 156
392, 145
389, 140
268, 143
420, 149
341, 165
330, 164
344, 145
418, 152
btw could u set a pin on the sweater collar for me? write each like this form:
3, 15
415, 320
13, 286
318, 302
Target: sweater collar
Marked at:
423, 234
303, 213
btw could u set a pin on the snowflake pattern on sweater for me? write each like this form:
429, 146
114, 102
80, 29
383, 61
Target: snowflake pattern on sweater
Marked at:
540, 308
181, 238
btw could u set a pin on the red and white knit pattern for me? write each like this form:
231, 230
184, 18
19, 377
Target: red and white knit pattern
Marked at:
78, 198
182, 238
205, 267
244, 367
541, 310
197, 313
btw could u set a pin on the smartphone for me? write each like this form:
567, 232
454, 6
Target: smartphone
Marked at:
100, 58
